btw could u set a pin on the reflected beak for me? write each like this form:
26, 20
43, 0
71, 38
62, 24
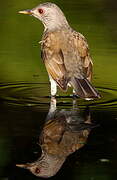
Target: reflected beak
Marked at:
23, 165
28, 11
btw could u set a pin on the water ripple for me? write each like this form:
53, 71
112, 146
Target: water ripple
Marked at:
31, 94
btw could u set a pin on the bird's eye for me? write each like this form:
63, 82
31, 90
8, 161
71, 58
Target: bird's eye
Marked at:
37, 170
40, 11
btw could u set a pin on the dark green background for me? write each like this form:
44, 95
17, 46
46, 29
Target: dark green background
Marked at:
19, 35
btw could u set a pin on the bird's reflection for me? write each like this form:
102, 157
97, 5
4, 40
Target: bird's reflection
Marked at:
64, 132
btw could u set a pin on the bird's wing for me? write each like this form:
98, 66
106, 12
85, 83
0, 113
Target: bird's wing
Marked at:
53, 58
79, 65
83, 51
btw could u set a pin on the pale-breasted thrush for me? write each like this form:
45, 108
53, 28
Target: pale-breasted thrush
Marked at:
65, 52
64, 132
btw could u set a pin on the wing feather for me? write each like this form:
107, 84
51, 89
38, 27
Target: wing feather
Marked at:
53, 58
83, 51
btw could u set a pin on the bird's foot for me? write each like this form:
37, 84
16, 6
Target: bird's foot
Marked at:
74, 96
54, 96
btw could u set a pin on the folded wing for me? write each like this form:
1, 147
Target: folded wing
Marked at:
53, 58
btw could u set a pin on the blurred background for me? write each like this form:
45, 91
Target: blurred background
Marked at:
20, 52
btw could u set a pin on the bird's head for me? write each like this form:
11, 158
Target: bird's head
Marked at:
49, 14
37, 169
46, 166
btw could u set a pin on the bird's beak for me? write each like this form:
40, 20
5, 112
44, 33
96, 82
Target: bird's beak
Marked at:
28, 11
26, 166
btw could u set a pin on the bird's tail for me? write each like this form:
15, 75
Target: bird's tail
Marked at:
84, 88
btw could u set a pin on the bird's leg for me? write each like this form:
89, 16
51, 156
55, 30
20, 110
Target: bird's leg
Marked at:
75, 94
74, 107
52, 108
53, 105
53, 86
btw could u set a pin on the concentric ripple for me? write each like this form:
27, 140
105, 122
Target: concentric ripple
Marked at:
30, 94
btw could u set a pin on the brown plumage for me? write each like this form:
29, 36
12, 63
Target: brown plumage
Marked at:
65, 52
68, 61
64, 132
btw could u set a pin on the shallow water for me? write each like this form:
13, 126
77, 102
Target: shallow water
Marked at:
24, 113
31, 94
24, 92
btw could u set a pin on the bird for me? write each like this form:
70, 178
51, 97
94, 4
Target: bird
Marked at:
64, 132
65, 53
